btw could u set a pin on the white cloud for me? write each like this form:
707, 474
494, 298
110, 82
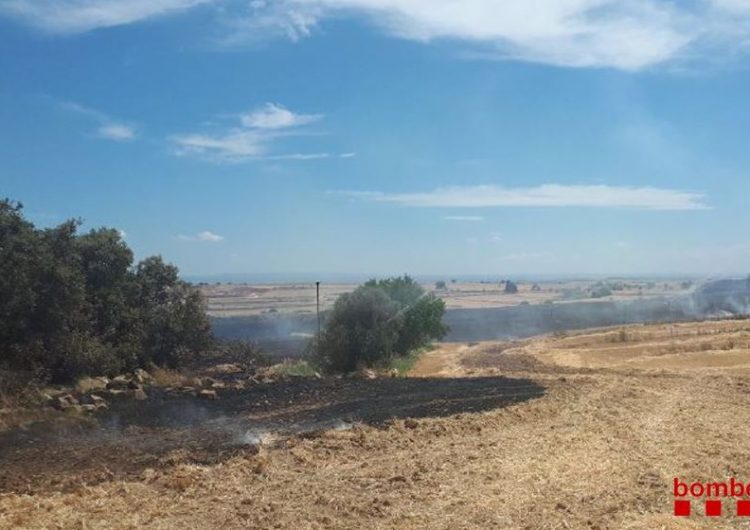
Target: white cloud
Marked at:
463, 218
117, 132
273, 116
547, 195
109, 128
234, 145
252, 139
204, 236
623, 34
76, 16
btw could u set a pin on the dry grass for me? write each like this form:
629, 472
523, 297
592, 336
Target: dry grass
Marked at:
165, 377
598, 451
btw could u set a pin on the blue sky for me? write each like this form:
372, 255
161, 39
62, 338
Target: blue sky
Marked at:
384, 136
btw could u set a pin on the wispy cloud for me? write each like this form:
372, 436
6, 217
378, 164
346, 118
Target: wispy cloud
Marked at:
232, 146
117, 132
108, 128
204, 237
274, 116
252, 137
76, 16
547, 195
463, 218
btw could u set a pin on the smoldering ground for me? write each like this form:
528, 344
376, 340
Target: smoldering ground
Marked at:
133, 436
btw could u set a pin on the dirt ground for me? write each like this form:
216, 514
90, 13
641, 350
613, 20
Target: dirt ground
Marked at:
582, 431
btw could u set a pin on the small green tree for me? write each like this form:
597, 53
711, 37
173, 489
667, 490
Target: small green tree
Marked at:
378, 321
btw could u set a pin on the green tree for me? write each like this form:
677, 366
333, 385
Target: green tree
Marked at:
174, 320
378, 321
73, 304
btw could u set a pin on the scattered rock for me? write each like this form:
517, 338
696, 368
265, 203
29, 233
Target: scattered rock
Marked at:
142, 376
98, 401
226, 368
208, 394
393, 372
209, 382
134, 385
118, 383
139, 394
65, 402
115, 393
88, 408
369, 374
218, 385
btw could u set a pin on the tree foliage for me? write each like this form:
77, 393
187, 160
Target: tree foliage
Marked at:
75, 304
378, 321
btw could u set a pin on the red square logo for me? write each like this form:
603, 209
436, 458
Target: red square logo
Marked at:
682, 508
743, 508
713, 508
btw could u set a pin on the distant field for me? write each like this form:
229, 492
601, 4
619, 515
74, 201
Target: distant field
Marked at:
226, 299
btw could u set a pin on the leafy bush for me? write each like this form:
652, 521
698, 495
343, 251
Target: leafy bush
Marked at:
74, 305
378, 321
510, 287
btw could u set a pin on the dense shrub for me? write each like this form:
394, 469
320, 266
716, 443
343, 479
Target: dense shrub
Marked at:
74, 304
378, 321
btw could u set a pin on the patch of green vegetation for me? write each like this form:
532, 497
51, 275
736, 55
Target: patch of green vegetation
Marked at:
403, 364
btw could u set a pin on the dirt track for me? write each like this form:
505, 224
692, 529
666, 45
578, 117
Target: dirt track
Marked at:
620, 417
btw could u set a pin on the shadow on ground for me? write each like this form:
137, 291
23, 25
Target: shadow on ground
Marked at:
133, 436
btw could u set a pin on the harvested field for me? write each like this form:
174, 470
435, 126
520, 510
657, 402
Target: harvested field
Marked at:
621, 415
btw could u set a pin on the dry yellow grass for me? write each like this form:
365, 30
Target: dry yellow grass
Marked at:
599, 450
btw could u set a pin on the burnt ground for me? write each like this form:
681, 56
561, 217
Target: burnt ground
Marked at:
167, 429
